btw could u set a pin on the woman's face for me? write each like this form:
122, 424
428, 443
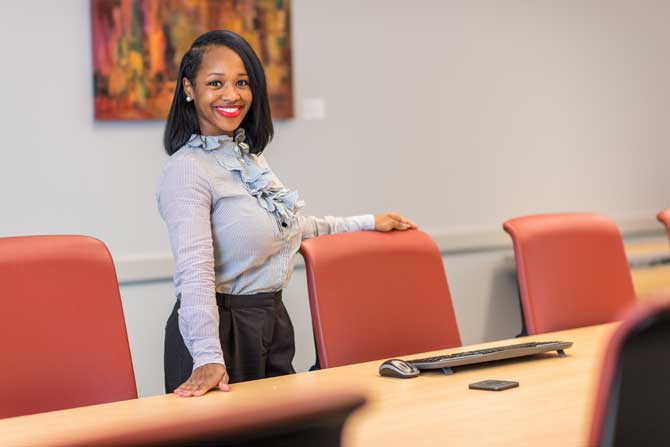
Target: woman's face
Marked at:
221, 92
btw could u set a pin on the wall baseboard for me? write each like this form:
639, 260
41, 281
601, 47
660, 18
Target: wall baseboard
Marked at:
157, 267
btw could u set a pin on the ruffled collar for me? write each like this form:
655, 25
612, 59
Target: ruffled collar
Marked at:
255, 174
207, 142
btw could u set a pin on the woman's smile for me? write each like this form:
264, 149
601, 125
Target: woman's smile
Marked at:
229, 111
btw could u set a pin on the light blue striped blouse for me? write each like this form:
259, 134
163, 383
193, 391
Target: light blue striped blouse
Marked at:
234, 228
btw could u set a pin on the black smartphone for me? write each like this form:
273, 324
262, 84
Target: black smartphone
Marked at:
493, 385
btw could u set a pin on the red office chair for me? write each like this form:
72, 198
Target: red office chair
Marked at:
62, 330
631, 406
377, 295
664, 217
572, 270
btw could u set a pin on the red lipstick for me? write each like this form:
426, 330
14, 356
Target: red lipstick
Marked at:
229, 112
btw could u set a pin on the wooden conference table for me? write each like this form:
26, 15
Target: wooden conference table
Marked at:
552, 405
650, 267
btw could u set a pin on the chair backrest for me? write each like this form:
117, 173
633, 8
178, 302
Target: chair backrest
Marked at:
633, 398
62, 329
572, 270
664, 217
263, 417
377, 295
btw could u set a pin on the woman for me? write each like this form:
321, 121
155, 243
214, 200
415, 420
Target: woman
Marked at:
234, 228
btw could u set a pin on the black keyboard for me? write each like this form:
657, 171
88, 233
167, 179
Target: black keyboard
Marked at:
490, 354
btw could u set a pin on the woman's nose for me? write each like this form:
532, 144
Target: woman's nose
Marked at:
230, 93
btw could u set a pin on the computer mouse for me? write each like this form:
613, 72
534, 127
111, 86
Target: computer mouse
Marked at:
398, 368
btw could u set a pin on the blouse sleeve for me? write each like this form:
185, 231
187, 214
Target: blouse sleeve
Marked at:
319, 226
185, 203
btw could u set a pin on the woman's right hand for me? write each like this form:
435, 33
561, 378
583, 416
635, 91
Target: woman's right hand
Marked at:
203, 379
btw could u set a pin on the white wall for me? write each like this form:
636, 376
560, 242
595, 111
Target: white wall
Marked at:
458, 113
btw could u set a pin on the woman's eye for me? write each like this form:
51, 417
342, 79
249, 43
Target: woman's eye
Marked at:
242, 83
215, 83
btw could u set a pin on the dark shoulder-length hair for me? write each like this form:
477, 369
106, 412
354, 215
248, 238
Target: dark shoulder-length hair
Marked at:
182, 119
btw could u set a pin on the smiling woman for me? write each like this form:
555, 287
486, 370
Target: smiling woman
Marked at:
221, 93
234, 228
219, 78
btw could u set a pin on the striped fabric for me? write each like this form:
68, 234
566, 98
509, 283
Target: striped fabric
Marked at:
234, 228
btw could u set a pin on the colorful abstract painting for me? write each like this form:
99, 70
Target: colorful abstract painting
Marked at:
138, 44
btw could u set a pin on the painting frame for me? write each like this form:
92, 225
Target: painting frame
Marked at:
137, 46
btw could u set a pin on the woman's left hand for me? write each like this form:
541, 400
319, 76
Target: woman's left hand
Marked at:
393, 221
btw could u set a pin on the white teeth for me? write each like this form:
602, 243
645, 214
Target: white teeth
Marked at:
229, 109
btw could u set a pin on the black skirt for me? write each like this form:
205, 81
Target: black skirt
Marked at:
256, 337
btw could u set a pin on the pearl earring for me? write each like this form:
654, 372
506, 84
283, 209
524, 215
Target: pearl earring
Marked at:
189, 99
